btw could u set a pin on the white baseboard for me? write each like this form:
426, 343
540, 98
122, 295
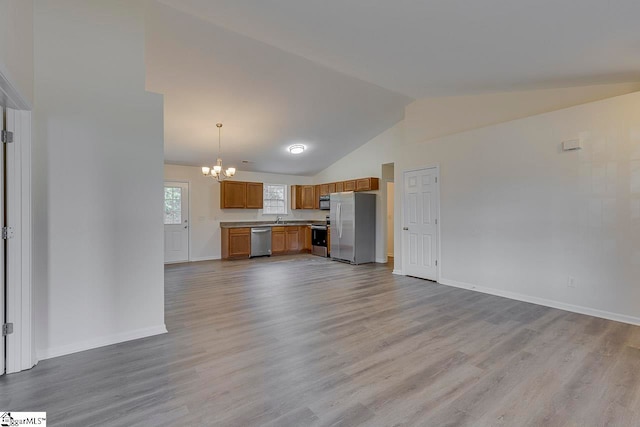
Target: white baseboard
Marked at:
205, 258
381, 260
390, 255
546, 302
398, 272
101, 342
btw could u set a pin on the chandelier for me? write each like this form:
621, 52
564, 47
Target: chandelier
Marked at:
217, 171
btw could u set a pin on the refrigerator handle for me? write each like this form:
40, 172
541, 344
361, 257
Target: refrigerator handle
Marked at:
339, 217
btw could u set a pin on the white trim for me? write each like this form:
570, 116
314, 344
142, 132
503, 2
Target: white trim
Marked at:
206, 258
381, 260
398, 272
20, 345
435, 166
102, 341
543, 301
10, 96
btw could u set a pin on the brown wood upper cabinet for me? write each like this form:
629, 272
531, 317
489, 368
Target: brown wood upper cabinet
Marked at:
339, 187
367, 184
255, 195
350, 185
303, 197
326, 189
240, 195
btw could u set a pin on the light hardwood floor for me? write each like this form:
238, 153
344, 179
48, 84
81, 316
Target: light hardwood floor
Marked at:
304, 341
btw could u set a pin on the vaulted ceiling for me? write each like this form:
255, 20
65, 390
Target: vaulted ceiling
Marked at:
333, 74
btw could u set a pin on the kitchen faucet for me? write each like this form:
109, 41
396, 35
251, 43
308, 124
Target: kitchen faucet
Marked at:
278, 219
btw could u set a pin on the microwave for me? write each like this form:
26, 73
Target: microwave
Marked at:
325, 203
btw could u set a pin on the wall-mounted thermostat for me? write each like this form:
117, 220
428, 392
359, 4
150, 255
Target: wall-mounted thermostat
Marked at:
572, 144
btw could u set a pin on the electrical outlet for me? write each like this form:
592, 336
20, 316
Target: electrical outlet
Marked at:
571, 282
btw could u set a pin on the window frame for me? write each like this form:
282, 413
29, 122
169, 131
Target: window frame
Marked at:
173, 199
286, 199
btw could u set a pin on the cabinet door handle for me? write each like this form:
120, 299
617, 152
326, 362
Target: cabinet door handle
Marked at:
405, 228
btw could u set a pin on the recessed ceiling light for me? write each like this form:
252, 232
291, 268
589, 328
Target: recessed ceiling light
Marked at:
296, 148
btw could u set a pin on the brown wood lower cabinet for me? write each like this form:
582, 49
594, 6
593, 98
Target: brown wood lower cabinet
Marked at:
293, 239
278, 241
287, 240
307, 238
236, 242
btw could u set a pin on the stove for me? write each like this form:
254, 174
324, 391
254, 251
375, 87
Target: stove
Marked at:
319, 237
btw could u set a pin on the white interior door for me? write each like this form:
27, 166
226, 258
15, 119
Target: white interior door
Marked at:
176, 222
3, 287
420, 230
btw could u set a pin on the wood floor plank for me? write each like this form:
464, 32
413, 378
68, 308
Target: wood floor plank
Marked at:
304, 341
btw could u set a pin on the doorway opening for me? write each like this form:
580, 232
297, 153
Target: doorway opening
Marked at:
388, 186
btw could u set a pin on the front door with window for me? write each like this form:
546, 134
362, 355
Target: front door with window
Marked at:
176, 222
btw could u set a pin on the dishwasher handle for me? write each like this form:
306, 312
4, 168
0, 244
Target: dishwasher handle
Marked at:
260, 230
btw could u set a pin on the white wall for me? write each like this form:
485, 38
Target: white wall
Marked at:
206, 214
430, 118
519, 216
16, 45
97, 180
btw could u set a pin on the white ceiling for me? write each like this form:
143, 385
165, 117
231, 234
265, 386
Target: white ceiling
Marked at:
270, 96
267, 99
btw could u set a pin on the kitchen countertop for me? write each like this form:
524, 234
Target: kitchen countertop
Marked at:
293, 223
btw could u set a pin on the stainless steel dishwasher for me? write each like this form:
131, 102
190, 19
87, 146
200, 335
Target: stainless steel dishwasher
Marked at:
260, 241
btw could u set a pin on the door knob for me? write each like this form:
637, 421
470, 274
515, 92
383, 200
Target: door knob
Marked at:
186, 226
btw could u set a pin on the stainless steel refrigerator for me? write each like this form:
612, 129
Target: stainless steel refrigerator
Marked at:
353, 227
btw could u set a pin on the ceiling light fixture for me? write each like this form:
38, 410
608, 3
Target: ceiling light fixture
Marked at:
217, 171
296, 148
